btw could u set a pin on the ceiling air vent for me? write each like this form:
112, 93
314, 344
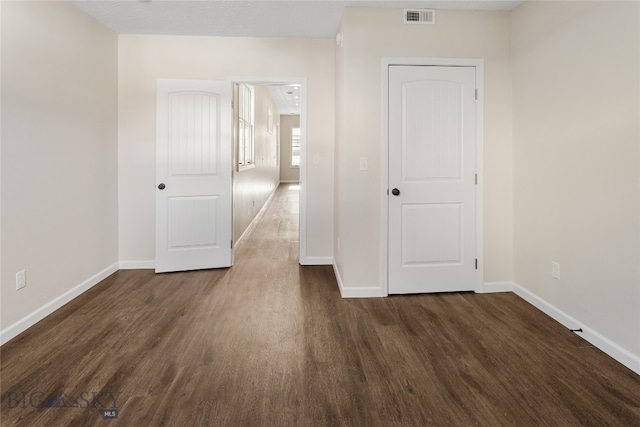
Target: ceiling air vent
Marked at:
419, 16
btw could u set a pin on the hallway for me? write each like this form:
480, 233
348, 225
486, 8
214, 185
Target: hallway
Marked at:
269, 342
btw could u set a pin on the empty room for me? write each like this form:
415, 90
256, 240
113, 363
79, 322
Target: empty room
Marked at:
309, 213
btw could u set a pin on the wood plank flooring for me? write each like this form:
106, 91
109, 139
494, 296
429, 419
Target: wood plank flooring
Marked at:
270, 343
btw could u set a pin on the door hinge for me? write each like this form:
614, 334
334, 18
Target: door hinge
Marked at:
476, 179
232, 244
476, 263
476, 94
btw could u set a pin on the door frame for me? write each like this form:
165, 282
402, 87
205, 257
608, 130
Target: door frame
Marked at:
384, 205
302, 81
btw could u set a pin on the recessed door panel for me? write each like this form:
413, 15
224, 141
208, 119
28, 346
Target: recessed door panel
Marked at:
431, 130
432, 234
193, 133
192, 222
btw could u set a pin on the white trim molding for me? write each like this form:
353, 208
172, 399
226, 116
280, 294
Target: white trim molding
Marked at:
31, 319
617, 352
493, 287
138, 265
356, 292
316, 260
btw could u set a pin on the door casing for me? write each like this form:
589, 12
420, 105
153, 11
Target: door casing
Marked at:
384, 206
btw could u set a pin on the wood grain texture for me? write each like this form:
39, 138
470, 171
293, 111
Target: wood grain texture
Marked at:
270, 343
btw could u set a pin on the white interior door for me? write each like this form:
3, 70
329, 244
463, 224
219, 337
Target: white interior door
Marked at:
432, 184
193, 175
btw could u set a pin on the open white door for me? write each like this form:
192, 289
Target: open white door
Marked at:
193, 175
432, 166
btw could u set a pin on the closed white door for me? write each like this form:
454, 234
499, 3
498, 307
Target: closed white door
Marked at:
432, 181
193, 175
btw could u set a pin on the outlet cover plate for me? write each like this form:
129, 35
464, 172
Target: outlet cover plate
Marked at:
21, 279
555, 270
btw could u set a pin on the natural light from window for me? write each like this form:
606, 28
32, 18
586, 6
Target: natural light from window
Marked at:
246, 115
295, 147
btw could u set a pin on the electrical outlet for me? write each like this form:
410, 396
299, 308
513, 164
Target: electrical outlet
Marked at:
555, 270
21, 279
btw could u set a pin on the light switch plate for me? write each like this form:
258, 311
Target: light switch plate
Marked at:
364, 163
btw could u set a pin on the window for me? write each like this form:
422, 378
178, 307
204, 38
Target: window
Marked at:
246, 115
295, 147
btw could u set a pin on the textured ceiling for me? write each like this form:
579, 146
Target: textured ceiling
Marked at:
258, 18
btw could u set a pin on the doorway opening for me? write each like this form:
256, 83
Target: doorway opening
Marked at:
280, 105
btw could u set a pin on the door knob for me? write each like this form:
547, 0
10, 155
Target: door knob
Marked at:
395, 192
161, 186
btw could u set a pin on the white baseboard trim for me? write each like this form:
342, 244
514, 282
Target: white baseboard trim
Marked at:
620, 354
254, 221
492, 287
547, 308
31, 319
290, 182
360, 292
137, 265
316, 260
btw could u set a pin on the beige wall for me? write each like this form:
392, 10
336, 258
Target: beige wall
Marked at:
358, 194
576, 152
287, 173
252, 187
59, 152
143, 59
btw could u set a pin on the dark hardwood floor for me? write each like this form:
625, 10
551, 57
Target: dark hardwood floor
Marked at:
271, 343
